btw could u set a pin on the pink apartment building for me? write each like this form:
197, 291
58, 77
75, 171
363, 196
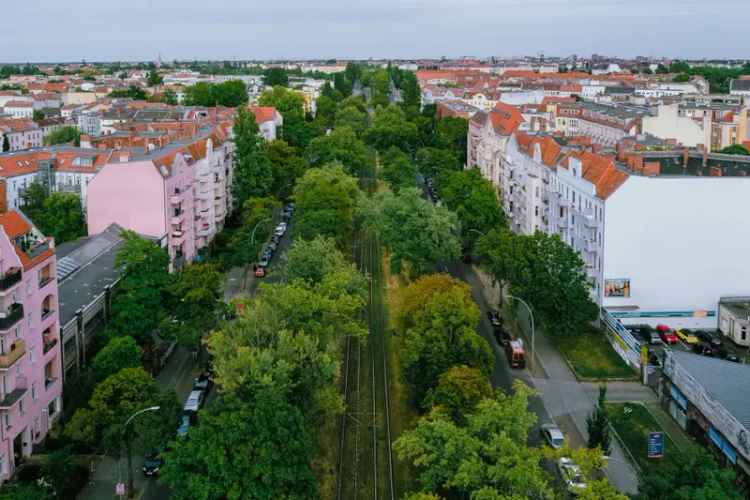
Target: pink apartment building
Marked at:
30, 359
151, 195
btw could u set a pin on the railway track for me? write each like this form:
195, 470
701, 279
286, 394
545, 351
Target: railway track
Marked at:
365, 460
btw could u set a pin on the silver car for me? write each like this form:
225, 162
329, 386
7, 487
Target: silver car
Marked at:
553, 435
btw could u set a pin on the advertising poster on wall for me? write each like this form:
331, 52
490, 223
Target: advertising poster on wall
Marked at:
617, 287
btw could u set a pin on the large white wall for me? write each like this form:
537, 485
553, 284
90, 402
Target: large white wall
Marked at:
669, 125
683, 242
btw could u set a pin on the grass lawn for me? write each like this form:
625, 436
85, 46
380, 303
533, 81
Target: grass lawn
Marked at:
633, 429
592, 356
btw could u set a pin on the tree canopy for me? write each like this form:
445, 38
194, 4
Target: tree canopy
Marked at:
253, 173
64, 135
118, 353
232, 93
341, 145
325, 198
244, 449
413, 229
397, 169
391, 128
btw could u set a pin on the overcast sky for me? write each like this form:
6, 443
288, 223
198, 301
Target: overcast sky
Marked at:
71, 30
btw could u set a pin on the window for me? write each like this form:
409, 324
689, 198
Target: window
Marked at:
33, 391
21, 408
536, 211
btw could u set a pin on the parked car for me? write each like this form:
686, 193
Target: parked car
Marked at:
686, 336
202, 383
280, 229
275, 238
152, 462
194, 401
263, 261
553, 435
272, 246
645, 332
495, 320
666, 334
571, 475
703, 348
186, 419
516, 354
260, 272
710, 338
654, 360
732, 358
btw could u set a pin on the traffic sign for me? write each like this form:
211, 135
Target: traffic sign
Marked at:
655, 444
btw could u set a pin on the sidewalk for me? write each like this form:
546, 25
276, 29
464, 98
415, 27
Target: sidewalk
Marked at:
178, 373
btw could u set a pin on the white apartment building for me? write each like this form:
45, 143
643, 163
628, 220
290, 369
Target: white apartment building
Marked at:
661, 243
670, 123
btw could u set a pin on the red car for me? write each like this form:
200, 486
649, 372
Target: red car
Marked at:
667, 334
260, 272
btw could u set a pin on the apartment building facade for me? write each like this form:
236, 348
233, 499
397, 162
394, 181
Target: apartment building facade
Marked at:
30, 359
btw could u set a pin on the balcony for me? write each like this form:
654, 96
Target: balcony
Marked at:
178, 218
590, 246
590, 221
17, 349
49, 343
44, 281
563, 202
11, 317
10, 279
46, 313
49, 381
563, 224
13, 397
175, 200
178, 237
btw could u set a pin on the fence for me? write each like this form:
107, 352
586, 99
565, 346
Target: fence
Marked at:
623, 342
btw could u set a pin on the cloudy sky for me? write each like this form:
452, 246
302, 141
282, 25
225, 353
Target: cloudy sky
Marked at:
71, 30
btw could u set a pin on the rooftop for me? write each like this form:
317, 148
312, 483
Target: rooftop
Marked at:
84, 268
725, 382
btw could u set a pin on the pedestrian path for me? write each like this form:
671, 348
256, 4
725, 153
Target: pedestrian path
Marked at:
675, 432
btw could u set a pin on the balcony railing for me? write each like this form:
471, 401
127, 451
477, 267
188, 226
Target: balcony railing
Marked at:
46, 280
17, 349
9, 318
46, 313
11, 278
49, 381
49, 344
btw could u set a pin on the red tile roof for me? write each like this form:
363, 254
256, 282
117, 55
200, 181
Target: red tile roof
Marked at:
263, 113
600, 171
505, 118
15, 225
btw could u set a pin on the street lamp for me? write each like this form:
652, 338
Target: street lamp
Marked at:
128, 444
252, 236
531, 315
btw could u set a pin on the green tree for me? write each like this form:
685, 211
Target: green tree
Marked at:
380, 87
32, 201
679, 67
6, 143
354, 101
397, 169
352, 117
64, 135
38, 115
413, 229
232, 93
154, 78
458, 391
474, 200
693, 473
132, 92
114, 399
169, 97
255, 214
597, 424
24, 490
451, 134
439, 319
391, 128
661, 69
410, 91
311, 260
276, 76
735, 149
253, 175
682, 78
259, 449
326, 199
501, 254
436, 163
287, 166
62, 217
326, 110
343, 84
57, 471
118, 353
486, 458
195, 295
341, 145
296, 131
137, 307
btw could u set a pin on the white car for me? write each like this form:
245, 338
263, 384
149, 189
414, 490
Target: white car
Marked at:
571, 475
194, 401
280, 229
553, 435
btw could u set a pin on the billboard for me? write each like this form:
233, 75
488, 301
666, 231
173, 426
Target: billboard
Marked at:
655, 444
617, 287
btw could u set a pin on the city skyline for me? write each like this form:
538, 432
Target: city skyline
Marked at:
295, 30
